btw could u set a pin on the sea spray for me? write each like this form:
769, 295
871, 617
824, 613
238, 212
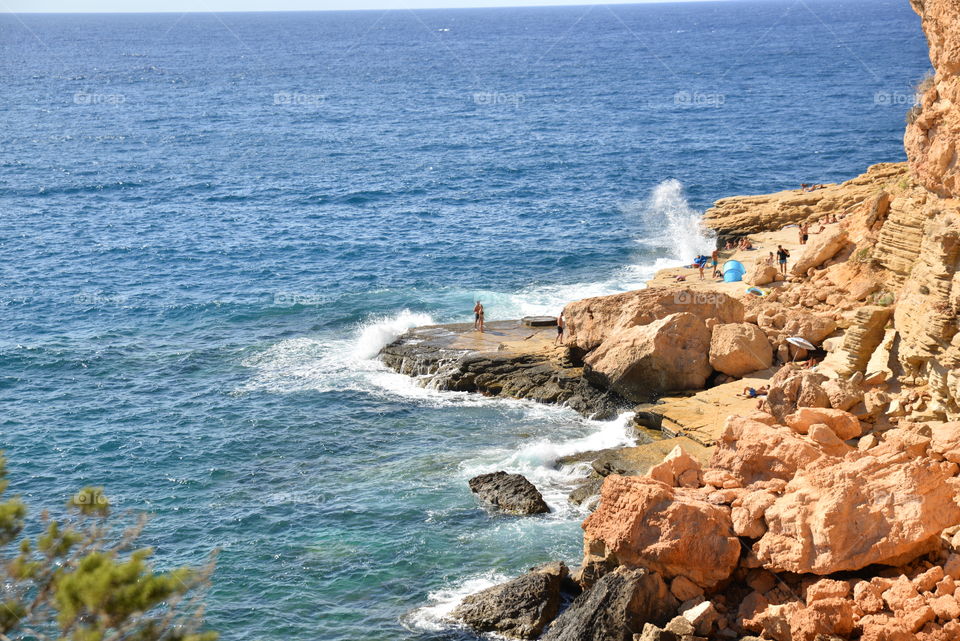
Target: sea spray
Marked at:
306, 363
377, 333
685, 236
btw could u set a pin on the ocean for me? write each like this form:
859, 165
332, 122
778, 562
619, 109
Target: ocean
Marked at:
210, 224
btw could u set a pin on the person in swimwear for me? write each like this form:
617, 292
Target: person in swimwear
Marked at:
478, 316
560, 324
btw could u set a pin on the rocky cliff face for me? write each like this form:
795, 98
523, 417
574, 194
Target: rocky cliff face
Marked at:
932, 139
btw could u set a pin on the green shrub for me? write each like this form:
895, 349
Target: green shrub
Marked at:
83, 579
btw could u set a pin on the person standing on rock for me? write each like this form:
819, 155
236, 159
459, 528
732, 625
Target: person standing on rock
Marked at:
559, 338
715, 257
478, 316
782, 256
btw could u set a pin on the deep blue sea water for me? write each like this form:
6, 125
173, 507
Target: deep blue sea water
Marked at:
209, 224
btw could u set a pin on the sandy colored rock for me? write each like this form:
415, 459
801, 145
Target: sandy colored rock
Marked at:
678, 469
861, 510
827, 589
820, 248
642, 522
933, 131
747, 513
868, 597
945, 440
751, 451
589, 322
739, 348
844, 393
750, 214
843, 424
685, 589
762, 274
792, 388
829, 617
861, 340
780, 323
644, 360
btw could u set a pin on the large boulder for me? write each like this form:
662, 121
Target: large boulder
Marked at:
510, 493
822, 247
646, 360
762, 274
589, 322
615, 608
739, 348
642, 522
844, 424
792, 387
883, 506
520, 608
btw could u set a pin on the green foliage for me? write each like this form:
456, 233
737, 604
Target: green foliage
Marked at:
81, 579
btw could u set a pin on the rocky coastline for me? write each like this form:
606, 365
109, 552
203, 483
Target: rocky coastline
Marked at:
826, 508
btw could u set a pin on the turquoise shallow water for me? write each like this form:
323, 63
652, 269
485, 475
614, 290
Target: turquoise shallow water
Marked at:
210, 224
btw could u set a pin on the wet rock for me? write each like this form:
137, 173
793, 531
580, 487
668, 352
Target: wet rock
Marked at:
510, 493
520, 608
436, 356
587, 492
615, 608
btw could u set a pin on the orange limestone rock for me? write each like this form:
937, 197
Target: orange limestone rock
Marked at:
642, 522
932, 139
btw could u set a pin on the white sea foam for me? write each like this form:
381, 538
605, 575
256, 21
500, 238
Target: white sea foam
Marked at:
314, 364
537, 460
683, 238
436, 615
685, 235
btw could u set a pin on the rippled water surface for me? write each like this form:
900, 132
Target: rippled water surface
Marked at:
211, 223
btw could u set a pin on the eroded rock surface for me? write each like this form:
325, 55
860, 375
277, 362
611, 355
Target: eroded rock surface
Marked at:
510, 493
520, 608
615, 608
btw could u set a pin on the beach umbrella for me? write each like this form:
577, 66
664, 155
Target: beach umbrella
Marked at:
797, 341
802, 342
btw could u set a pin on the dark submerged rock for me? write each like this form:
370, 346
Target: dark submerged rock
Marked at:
520, 608
511, 493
